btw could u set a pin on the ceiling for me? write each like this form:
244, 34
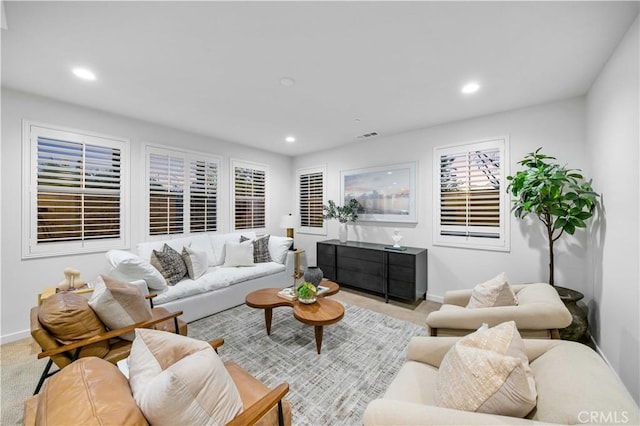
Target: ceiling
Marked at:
215, 68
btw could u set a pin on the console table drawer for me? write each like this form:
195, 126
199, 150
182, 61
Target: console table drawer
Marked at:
356, 253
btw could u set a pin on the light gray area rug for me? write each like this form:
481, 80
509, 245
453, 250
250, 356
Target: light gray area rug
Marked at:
360, 356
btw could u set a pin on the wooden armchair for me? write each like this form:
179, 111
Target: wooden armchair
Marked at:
64, 354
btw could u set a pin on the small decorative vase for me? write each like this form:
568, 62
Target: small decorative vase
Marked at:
314, 275
307, 301
343, 232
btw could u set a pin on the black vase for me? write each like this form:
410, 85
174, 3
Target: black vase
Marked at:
314, 275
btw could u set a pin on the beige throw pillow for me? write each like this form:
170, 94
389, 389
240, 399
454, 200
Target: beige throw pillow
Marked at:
119, 304
495, 292
179, 380
488, 372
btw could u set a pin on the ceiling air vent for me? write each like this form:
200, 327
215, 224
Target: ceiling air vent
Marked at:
368, 135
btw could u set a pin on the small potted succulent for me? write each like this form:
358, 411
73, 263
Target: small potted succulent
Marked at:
307, 293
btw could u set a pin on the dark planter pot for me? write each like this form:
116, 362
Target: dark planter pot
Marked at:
577, 330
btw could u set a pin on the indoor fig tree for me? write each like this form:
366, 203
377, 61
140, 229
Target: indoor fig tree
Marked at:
560, 197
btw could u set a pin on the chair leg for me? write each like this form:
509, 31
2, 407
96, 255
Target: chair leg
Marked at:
175, 323
280, 414
434, 332
555, 333
44, 376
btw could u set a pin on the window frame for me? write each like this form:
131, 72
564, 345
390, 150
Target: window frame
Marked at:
309, 171
187, 156
236, 163
31, 131
502, 243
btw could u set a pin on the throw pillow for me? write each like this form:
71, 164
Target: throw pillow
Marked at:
487, 372
131, 267
195, 261
69, 318
260, 248
170, 264
495, 292
179, 380
278, 248
119, 304
238, 254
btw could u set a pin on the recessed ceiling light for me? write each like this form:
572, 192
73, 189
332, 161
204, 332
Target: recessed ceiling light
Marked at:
287, 81
290, 139
84, 74
471, 87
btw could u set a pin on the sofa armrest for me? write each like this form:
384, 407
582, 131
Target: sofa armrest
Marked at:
391, 412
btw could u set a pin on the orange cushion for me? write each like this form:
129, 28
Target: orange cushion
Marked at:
69, 318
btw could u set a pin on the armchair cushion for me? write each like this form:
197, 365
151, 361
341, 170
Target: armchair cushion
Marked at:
69, 318
487, 372
119, 304
90, 391
495, 292
179, 380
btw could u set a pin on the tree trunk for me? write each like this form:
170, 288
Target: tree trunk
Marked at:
550, 237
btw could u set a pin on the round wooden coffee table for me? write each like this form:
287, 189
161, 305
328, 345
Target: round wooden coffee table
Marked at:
322, 312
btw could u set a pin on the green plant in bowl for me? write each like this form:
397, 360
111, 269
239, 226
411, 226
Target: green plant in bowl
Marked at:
307, 291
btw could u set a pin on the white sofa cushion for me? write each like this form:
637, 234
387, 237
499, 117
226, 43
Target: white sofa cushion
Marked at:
145, 249
238, 254
218, 242
195, 261
131, 267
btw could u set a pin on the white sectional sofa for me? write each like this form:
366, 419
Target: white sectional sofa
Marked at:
220, 288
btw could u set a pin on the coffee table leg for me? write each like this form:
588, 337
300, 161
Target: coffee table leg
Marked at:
268, 313
318, 331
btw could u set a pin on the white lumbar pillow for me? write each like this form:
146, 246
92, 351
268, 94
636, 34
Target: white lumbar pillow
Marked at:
278, 248
238, 254
131, 267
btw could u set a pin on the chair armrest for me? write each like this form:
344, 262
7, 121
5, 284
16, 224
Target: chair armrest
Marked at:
258, 409
150, 297
382, 412
215, 344
108, 335
457, 297
429, 350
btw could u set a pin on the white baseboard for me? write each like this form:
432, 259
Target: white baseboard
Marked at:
8, 338
435, 298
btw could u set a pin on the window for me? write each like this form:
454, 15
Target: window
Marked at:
249, 195
76, 192
182, 191
311, 183
472, 205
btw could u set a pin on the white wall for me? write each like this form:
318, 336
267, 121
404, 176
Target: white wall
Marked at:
613, 137
558, 127
22, 280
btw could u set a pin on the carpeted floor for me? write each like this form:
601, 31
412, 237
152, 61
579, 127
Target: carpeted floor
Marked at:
360, 355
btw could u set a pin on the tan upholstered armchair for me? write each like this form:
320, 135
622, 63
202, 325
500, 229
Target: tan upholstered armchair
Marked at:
539, 313
573, 385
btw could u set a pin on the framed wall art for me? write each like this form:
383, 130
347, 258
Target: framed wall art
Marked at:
386, 193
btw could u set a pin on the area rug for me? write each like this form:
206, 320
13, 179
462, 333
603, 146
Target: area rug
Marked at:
360, 356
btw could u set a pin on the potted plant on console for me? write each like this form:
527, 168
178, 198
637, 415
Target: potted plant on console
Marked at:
562, 200
344, 214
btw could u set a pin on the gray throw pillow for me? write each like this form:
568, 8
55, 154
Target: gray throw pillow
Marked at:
260, 248
170, 264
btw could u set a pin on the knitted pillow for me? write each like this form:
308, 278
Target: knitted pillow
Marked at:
487, 372
260, 248
170, 264
495, 292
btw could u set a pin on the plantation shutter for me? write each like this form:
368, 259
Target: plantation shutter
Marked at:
311, 195
203, 196
78, 191
470, 187
249, 197
166, 194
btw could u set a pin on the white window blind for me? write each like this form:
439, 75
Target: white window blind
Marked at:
166, 194
311, 190
203, 196
249, 189
471, 195
77, 196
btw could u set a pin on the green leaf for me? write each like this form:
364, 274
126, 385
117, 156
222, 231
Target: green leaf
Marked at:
569, 228
559, 223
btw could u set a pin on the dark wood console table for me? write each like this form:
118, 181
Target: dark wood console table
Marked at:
371, 267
